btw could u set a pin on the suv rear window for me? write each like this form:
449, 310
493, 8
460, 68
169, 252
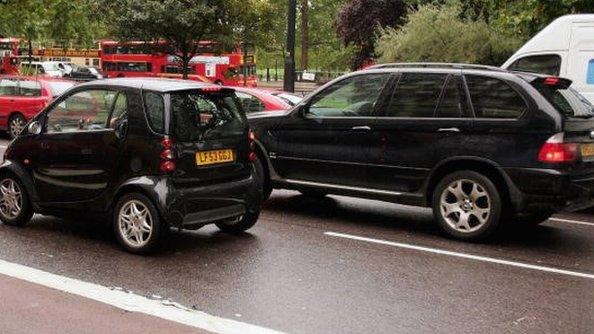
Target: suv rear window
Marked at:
567, 101
195, 113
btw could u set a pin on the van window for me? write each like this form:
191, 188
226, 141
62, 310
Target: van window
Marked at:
416, 95
493, 98
545, 64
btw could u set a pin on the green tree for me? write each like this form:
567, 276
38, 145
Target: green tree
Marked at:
439, 34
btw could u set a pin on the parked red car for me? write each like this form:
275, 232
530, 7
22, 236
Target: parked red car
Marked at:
257, 100
21, 98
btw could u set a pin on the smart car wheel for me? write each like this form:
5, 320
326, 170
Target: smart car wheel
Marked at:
15, 208
137, 224
467, 205
239, 224
15, 125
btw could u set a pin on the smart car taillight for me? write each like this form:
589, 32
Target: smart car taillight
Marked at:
167, 156
252, 142
555, 150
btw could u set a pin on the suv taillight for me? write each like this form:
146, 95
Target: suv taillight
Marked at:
252, 141
555, 150
167, 163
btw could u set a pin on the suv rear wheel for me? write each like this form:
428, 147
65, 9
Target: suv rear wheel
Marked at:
15, 207
467, 205
137, 224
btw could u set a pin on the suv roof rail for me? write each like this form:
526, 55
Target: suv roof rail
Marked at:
439, 65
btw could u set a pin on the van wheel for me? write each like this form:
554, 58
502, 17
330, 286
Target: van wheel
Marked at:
16, 124
137, 224
467, 205
15, 207
239, 224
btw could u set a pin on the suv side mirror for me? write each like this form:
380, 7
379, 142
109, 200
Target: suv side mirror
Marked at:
34, 128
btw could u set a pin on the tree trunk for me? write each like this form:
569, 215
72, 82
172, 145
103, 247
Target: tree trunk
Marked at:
304, 34
30, 51
185, 65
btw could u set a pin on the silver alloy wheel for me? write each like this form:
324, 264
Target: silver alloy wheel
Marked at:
465, 205
11, 199
16, 126
135, 223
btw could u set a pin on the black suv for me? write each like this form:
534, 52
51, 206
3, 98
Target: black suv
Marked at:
477, 144
149, 153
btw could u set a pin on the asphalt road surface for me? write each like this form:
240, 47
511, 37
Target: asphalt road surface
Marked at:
337, 265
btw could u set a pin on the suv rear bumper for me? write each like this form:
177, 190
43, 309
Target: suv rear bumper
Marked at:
550, 190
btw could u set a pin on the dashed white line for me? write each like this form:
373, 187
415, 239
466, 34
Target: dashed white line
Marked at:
463, 255
130, 301
571, 221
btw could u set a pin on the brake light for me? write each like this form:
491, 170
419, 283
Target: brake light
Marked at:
252, 142
211, 89
555, 150
167, 156
551, 81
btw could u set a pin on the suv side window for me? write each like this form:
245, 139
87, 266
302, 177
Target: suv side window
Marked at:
454, 103
83, 111
544, 64
416, 95
8, 87
493, 98
352, 97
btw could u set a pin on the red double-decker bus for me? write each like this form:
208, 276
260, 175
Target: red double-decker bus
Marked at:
141, 59
9, 51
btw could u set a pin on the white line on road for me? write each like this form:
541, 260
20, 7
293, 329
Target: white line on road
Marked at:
571, 221
130, 301
463, 255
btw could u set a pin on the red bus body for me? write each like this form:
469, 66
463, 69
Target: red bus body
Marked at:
139, 59
9, 51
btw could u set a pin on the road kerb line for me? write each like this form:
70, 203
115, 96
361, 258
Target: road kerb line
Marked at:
571, 221
463, 255
129, 301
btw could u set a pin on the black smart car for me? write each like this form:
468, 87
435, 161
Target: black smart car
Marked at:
150, 153
479, 145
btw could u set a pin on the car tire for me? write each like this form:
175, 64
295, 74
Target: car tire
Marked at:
467, 205
137, 224
240, 224
263, 179
15, 207
16, 124
313, 193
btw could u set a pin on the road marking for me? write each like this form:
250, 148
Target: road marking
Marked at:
463, 255
129, 301
571, 221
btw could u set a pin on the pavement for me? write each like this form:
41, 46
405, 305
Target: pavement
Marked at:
316, 266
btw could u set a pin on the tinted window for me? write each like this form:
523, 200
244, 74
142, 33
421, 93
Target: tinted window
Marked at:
568, 101
416, 95
493, 98
8, 87
453, 101
83, 111
250, 103
155, 111
194, 113
353, 97
545, 64
30, 88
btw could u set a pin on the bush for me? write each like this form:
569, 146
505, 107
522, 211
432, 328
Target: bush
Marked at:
440, 34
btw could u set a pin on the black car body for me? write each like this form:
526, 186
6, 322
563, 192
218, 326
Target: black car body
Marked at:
184, 146
395, 131
85, 74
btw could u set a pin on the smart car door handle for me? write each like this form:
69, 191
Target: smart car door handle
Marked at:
361, 128
448, 130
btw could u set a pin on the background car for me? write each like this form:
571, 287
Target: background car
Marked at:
83, 73
257, 100
290, 98
43, 68
21, 98
477, 144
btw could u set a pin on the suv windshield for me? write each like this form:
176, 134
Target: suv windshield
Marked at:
195, 113
567, 101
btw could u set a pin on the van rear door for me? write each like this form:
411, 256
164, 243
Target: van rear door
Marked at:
580, 65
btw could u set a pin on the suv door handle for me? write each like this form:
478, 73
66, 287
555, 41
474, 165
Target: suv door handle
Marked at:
448, 130
361, 128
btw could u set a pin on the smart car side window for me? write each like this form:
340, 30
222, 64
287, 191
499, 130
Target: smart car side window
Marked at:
83, 111
355, 96
120, 111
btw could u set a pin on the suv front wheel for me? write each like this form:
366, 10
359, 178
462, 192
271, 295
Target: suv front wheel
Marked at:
467, 205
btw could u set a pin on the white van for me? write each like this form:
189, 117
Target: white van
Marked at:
564, 48
47, 68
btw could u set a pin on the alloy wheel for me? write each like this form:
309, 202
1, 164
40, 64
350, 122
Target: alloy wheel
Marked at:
11, 199
16, 126
465, 205
135, 223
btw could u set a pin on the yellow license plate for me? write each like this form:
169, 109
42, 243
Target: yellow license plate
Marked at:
214, 157
587, 150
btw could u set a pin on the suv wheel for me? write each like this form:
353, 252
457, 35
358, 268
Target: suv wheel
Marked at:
15, 208
467, 205
137, 224
239, 224
16, 124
